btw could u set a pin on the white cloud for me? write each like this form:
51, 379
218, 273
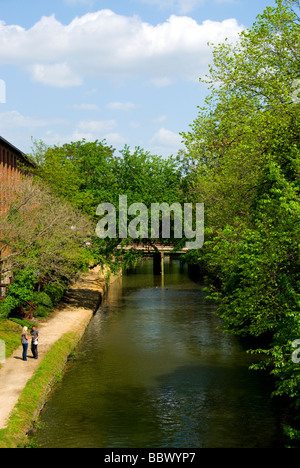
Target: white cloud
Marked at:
106, 45
14, 119
92, 130
59, 75
166, 138
96, 126
86, 107
18, 128
165, 142
115, 139
160, 119
57, 131
121, 106
88, 130
135, 125
161, 82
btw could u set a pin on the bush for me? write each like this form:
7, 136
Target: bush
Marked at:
41, 298
22, 290
19, 292
42, 311
55, 291
7, 306
44, 304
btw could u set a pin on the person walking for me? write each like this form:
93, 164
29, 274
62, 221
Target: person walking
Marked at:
24, 341
35, 341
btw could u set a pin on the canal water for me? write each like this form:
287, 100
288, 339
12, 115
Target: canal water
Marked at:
154, 371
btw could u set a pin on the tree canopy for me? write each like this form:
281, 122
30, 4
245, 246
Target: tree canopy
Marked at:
245, 143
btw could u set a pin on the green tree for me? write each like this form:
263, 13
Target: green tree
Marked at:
82, 173
44, 233
246, 143
88, 174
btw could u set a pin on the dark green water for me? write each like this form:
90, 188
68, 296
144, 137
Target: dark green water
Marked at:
154, 372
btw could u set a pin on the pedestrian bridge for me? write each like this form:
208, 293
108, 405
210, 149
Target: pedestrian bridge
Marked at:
157, 251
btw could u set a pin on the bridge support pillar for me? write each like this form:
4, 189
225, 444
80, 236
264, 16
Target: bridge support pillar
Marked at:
158, 263
162, 263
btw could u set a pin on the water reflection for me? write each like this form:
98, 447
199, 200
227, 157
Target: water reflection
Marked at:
154, 371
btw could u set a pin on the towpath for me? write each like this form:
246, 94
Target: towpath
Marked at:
74, 314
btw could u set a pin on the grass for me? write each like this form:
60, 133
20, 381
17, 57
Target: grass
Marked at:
10, 333
35, 393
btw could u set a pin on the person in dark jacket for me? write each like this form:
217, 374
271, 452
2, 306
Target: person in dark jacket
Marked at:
34, 342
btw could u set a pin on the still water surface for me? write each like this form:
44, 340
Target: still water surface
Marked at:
153, 371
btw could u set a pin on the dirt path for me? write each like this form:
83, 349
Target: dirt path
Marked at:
73, 315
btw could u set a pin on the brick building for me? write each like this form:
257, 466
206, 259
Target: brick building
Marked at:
13, 164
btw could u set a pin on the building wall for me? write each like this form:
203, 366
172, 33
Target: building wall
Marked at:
12, 164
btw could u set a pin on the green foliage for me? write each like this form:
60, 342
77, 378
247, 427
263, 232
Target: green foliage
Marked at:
41, 298
55, 291
21, 322
43, 303
87, 174
245, 144
20, 291
6, 307
80, 172
42, 311
45, 234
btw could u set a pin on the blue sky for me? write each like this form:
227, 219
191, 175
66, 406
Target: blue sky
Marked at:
124, 71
